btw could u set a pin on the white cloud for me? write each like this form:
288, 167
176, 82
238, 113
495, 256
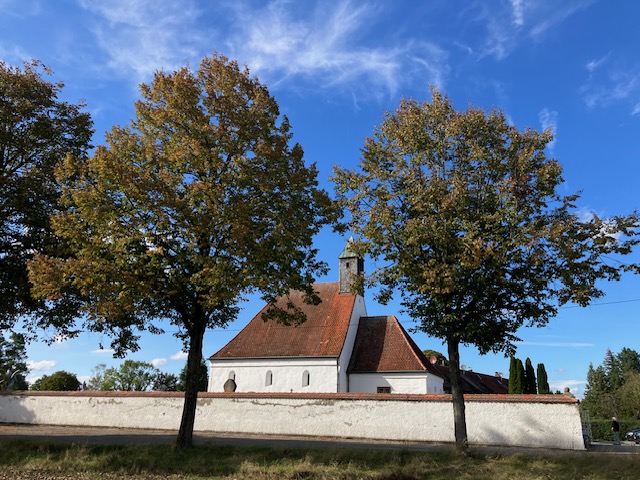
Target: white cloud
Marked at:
549, 119
141, 36
615, 85
552, 14
321, 47
14, 54
636, 109
575, 386
518, 11
40, 366
179, 355
558, 344
157, 362
100, 351
505, 24
279, 40
594, 64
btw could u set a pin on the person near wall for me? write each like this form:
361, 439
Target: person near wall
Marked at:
615, 428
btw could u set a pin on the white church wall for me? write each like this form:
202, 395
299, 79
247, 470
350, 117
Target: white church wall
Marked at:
550, 421
359, 310
286, 374
401, 382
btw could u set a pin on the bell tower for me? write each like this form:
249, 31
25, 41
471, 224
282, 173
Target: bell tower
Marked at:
350, 266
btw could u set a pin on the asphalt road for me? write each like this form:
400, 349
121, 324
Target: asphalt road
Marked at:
123, 436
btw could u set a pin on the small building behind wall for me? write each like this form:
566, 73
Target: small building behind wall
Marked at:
386, 360
337, 349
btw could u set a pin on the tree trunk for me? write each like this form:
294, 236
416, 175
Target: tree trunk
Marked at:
459, 420
185, 434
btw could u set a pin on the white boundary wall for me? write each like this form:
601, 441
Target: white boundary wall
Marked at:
549, 421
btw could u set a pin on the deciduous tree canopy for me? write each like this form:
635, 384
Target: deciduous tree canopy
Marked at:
200, 201
464, 211
37, 131
57, 381
130, 376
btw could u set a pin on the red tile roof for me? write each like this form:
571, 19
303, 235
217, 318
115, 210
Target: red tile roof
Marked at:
475, 383
322, 335
382, 345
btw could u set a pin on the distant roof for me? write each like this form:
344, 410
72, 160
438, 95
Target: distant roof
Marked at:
322, 335
382, 345
474, 382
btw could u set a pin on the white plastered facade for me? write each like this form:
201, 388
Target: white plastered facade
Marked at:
397, 382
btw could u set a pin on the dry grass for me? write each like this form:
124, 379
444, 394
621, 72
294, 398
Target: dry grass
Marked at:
42, 460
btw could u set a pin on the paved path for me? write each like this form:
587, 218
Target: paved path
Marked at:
124, 436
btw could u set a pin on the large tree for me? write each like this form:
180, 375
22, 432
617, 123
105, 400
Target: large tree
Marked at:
37, 131
57, 381
613, 386
463, 210
130, 376
200, 201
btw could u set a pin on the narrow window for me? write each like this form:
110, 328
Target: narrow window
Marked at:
384, 389
305, 378
269, 379
232, 375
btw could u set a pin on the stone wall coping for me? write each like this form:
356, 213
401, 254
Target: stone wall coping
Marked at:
398, 397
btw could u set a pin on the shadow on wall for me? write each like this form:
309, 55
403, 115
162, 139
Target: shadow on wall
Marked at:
13, 409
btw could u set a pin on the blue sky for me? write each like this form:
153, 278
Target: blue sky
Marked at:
335, 67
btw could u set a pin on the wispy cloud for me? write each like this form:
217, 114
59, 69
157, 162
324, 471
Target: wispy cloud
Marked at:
616, 85
594, 64
179, 355
552, 14
558, 344
510, 24
518, 11
42, 365
19, 8
101, 351
141, 36
549, 120
321, 46
14, 54
279, 40
157, 362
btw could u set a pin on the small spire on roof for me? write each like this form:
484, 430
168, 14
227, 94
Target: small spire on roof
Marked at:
351, 265
348, 252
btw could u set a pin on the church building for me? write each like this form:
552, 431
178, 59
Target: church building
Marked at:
337, 349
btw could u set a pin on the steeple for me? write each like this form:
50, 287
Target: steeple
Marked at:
350, 266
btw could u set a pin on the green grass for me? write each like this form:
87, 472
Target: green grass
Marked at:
42, 460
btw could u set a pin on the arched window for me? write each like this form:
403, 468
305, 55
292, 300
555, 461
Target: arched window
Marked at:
269, 379
305, 378
232, 375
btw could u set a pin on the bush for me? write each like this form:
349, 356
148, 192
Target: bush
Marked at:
601, 428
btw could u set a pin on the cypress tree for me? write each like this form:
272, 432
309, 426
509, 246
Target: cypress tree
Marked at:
543, 382
519, 385
516, 376
529, 383
512, 374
